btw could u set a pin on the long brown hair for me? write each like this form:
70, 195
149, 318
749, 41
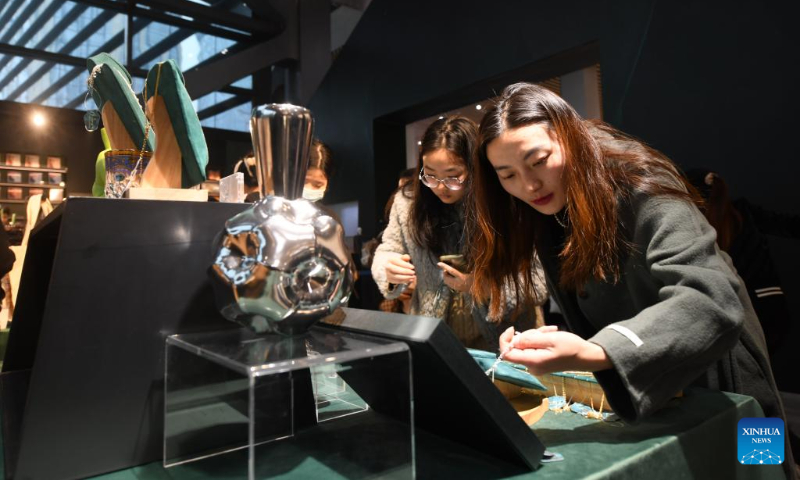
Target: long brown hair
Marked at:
601, 166
457, 135
405, 184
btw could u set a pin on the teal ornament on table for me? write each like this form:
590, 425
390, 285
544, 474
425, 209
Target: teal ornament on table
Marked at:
508, 372
589, 412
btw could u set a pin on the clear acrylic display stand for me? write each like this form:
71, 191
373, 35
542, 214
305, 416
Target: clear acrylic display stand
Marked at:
274, 403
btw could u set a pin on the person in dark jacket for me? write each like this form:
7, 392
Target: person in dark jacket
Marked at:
741, 232
651, 304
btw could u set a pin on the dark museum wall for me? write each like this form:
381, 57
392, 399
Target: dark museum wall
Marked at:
709, 83
63, 135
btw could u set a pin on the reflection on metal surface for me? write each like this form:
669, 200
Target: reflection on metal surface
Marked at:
281, 265
281, 142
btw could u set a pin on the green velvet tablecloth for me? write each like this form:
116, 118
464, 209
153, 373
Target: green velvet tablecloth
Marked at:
692, 437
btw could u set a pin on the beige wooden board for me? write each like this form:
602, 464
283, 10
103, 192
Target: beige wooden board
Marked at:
180, 194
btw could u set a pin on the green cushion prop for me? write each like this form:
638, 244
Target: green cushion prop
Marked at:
185, 123
506, 371
112, 82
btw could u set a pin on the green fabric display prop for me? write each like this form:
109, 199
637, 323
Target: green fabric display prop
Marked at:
184, 120
112, 82
506, 371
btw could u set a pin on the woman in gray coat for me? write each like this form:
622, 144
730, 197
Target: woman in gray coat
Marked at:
650, 302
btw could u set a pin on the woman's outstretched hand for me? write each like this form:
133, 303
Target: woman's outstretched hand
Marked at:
546, 350
400, 270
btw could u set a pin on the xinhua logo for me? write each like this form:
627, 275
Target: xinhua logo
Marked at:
760, 441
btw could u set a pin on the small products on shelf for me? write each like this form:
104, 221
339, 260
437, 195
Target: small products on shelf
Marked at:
23, 175
32, 161
14, 193
13, 159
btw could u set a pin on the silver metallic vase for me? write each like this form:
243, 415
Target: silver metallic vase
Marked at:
281, 141
282, 264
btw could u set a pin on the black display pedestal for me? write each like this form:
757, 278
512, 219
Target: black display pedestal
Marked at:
104, 283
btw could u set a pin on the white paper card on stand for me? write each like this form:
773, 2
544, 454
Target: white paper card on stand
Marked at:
231, 188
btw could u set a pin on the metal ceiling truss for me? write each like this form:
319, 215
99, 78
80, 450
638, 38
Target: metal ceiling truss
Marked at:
303, 45
19, 22
73, 43
42, 55
33, 29
223, 106
113, 43
61, 57
200, 18
70, 17
294, 34
13, 7
162, 46
110, 45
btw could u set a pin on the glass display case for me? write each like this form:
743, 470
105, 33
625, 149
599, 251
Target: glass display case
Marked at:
264, 399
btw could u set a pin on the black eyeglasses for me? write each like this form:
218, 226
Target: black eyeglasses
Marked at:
452, 183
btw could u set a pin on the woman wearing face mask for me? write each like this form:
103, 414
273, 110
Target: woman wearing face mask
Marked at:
651, 304
320, 170
430, 224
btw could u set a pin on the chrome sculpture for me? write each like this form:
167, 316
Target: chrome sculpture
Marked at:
281, 142
282, 264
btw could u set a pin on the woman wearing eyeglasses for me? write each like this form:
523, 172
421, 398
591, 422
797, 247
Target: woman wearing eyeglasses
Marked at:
428, 225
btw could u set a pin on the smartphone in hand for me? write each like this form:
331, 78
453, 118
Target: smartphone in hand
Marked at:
455, 261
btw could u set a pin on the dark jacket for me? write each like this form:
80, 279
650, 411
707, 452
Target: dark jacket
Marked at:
750, 253
679, 316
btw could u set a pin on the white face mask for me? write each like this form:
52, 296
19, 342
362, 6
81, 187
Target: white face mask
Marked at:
312, 194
